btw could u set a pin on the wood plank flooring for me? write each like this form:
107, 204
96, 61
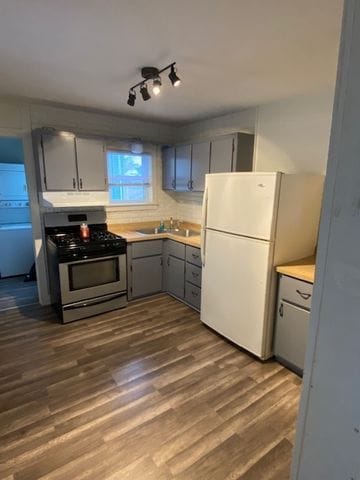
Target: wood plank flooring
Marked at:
143, 393
14, 292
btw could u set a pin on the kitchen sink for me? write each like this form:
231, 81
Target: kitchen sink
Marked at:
150, 231
185, 233
179, 232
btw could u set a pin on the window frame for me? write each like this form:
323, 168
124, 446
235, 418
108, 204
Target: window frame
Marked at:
128, 204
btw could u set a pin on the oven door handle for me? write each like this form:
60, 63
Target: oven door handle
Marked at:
95, 301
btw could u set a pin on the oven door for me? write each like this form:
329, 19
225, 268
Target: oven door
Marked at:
91, 278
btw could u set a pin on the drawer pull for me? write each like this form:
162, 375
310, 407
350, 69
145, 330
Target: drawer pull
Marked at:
304, 296
194, 255
194, 274
281, 310
194, 294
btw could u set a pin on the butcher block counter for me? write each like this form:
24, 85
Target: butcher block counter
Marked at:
303, 269
129, 232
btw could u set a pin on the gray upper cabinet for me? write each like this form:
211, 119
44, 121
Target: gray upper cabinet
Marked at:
91, 164
183, 167
221, 157
232, 153
188, 164
71, 163
59, 162
200, 164
168, 157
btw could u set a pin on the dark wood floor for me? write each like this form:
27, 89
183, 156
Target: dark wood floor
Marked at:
14, 292
144, 393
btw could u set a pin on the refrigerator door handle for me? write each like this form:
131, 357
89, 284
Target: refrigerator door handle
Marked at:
202, 246
203, 226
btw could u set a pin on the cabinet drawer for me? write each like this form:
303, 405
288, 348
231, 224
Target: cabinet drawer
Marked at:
176, 249
296, 291
193, 255
193, 295
193, 274
147, 248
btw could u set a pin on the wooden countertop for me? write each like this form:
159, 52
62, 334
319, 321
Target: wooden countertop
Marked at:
129, 232
303, 269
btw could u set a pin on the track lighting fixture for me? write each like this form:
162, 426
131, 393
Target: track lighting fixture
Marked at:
132, 98
174, 79
156, 86
144, 92
152, 73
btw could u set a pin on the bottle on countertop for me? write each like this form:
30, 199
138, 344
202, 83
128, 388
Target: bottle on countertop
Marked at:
161, 226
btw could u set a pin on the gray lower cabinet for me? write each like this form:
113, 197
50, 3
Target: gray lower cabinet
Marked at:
145, 268
176, 276
292, 322
146, 276
164, 265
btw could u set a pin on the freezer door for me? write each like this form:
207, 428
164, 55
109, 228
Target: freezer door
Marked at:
243, 203
236, 290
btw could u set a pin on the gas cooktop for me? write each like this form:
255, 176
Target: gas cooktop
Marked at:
73, 239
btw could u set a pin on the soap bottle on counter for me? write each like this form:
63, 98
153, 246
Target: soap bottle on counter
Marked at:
161, 226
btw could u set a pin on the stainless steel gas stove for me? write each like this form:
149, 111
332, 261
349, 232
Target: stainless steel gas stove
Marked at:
87, 276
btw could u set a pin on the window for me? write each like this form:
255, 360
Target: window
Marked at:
129, 177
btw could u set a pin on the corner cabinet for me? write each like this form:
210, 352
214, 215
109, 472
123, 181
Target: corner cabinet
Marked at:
72, 163
156, 266
185, 165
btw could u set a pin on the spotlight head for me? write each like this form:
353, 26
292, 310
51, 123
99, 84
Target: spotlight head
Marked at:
132, 98
174, 79
144, 92
156, 86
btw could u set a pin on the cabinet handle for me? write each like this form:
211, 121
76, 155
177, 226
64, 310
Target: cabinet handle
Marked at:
74, 183
189, 185
161, 261
304, 296
195, 255
194, 294
281, 310
173, 184
81, 183
168, 261
195, 274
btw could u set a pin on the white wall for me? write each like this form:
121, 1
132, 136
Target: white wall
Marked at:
293, 135
242, 121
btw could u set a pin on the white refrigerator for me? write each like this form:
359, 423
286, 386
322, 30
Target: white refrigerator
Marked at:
252, 222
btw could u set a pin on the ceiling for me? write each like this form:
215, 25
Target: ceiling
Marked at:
231, 54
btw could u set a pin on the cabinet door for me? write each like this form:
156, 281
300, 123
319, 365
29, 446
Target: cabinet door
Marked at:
200, 163
176, 276
291, 334
168, 173
183, 168
59, 159
221, 157
90, 157
146, 276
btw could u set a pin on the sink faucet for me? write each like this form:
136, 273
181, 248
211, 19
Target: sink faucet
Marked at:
171, 223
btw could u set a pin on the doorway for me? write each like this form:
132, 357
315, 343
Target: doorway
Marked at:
17, 270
